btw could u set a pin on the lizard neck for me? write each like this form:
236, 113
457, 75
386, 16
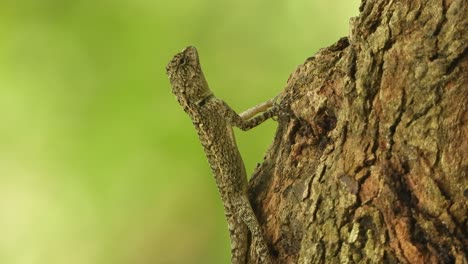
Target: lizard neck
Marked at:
205, 98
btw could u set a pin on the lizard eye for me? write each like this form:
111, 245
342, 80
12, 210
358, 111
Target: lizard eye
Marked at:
182, 61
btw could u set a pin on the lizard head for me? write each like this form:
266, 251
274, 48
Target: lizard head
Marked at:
187, 79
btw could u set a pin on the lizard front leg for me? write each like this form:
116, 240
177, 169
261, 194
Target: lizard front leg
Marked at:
254, 116
262, 107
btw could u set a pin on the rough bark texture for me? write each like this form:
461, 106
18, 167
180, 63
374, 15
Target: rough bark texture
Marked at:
369, 164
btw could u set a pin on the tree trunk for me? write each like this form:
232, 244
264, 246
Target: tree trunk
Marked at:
369, 163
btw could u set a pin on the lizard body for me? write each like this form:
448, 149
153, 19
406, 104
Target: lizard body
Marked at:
213, 120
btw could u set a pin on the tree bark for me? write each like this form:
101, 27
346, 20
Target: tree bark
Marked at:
369, 163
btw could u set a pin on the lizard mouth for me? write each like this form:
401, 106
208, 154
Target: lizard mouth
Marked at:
173, 65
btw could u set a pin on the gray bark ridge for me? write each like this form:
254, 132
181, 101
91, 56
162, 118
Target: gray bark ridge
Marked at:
369, 163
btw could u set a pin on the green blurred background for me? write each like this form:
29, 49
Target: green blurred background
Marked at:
98, 163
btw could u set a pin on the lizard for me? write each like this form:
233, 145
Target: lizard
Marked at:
213, 120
